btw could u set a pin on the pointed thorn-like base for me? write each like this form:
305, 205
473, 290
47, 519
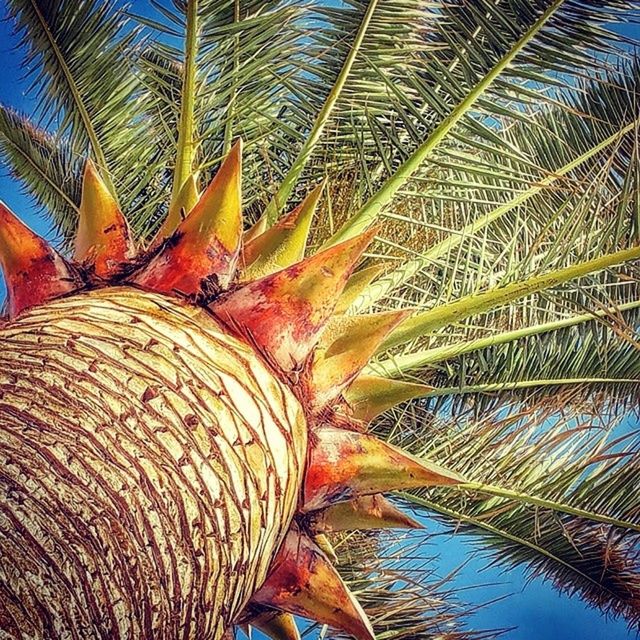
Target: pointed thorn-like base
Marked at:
345, 349
284, 313
33, 271
302, 581
255, 230
103, 241
343, 465
370, 396
284, 243
357, 285
200, 258
365, 513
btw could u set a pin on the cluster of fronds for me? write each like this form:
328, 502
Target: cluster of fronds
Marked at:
498, 146
552, 491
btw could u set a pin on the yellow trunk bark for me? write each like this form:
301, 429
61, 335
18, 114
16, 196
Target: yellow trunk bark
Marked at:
150, 465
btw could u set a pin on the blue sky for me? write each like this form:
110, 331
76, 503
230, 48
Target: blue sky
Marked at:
535, 609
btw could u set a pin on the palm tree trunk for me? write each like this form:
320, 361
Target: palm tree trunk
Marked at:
149, 466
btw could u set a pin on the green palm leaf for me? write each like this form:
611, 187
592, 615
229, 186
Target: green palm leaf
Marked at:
47, 167
83, 80
399, 586
500, 191
532, 459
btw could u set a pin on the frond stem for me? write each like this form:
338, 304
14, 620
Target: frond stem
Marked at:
461, 517
288, 183
396, 278
186, 139
424, 357
497, 387
375, 205
547, 504
478, 303
228, 126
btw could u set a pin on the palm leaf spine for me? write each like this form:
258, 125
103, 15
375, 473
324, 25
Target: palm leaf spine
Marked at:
527, 498
372, 209
96, 147
474, 304
424, 357
185, 153
500, 387
291, 178
399, 276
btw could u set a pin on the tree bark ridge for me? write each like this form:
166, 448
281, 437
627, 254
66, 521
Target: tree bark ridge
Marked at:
150, 465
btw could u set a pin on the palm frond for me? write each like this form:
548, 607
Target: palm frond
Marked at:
46, 166
247, 59
82, 77
473, 203
589, 211
367, 40
481, 49
398, 584
536, 455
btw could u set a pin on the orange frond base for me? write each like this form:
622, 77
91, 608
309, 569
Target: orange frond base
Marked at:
103, 241
33, 271
343, 465
284, 313
199, 259
302, 581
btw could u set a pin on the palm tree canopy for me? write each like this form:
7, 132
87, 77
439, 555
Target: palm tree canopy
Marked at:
496, 147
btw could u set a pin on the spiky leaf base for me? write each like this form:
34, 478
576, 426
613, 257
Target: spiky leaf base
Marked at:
176, 432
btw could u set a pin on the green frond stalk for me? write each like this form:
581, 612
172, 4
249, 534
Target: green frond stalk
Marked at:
474, 304
501, 387
86, 119
228, 126
525, 498
368, 214
402, 274
463, 518
291, 178
425, 357
187, 143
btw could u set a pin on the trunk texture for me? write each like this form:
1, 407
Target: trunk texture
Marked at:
150, 464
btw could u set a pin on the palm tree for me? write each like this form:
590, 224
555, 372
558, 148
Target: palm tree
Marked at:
195, 418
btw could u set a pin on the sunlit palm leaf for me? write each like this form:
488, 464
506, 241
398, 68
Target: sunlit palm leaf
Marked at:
570, 459
469, 206
84, 85
248, 58
594, 210
483, 45
47, 167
